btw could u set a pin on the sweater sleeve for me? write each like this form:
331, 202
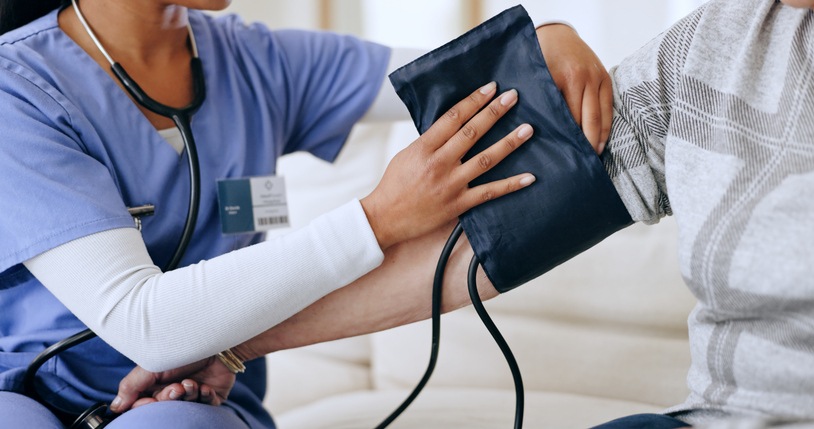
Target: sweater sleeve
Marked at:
165, 320
644, 87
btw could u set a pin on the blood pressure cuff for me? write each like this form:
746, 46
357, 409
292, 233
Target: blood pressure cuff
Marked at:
573, 204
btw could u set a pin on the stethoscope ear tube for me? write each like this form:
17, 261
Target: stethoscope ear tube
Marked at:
183, 120
141, 97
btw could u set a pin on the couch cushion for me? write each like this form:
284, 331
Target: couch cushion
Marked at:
458, 408
298, 377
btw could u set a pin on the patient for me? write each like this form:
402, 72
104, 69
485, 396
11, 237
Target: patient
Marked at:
714, 124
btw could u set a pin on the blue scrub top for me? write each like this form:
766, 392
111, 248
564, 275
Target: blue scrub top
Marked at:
75, 152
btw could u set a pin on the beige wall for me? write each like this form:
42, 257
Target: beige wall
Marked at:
614, 28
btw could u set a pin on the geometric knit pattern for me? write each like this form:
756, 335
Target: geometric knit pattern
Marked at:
714, 123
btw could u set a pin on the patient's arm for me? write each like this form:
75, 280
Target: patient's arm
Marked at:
396, 293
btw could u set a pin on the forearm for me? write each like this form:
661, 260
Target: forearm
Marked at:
397, 293
110, 283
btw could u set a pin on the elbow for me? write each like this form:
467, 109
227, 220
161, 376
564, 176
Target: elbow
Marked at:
151, 364
153, 357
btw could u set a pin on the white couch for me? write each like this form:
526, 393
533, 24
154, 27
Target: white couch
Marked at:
602, 336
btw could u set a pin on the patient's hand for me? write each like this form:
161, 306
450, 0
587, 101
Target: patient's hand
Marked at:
207, 381
582, 78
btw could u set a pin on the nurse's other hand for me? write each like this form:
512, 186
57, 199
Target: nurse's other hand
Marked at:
581, 78
426, 185
207, 381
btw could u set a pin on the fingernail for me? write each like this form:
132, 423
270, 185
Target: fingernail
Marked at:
116, 403
488, 88
204, 392
187, 384
601, 147
525, 131
174, 394
527, 180
508, 97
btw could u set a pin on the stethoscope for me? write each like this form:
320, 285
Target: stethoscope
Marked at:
97, 416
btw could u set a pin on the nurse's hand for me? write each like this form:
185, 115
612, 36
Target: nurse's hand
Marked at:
581, 78
426, 186
207, 381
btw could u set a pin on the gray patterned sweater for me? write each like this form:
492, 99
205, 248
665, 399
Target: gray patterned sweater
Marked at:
714, 124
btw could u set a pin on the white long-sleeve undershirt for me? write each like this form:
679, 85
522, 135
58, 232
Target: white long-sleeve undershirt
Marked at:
164, 320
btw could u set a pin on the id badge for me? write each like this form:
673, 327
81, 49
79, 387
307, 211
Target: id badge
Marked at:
252, 204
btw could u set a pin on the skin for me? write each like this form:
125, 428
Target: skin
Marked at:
586, 88
799, 3
582, 79
149, 38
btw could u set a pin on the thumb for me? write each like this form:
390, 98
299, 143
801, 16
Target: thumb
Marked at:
131, 388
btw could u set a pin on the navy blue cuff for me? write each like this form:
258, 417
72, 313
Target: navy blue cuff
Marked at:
573, 204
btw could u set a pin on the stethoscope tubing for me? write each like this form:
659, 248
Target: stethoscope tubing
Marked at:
182, 117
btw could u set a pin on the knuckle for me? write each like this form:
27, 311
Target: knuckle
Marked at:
473, 98
512, 186
453, 114
469, 132
571, 74
594, 118
487, 195
484, 161
125, 385
454, 209
494, 110
432, 167
510, 143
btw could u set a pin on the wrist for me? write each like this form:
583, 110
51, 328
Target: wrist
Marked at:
374, 219
231, 361
245, 353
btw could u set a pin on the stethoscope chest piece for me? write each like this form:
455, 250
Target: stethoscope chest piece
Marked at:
95, 417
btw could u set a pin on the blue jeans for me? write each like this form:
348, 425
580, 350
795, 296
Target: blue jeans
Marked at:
644, 421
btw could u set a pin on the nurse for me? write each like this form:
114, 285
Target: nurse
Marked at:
77, 152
